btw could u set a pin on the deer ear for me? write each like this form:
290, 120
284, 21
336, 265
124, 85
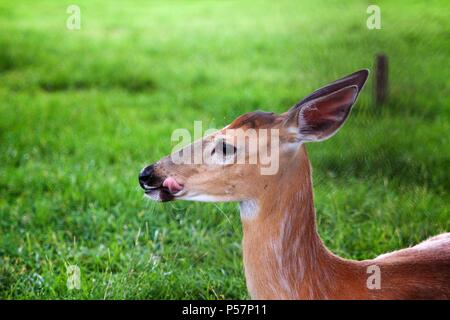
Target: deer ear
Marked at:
322, 117
321, 114
357, 78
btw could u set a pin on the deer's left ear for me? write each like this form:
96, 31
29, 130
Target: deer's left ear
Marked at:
321, 114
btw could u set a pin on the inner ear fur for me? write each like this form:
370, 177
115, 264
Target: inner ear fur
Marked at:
320, 118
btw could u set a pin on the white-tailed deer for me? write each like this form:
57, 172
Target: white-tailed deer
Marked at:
284, 257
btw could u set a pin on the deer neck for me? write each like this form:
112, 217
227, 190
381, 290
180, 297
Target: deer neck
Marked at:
284, 257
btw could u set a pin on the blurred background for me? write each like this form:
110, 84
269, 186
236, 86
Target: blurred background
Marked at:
82, 111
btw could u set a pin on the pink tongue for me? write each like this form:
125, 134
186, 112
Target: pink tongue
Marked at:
172, 185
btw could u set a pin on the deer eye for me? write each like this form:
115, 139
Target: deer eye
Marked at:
223, 149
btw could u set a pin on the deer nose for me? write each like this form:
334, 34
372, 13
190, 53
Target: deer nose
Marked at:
146, 177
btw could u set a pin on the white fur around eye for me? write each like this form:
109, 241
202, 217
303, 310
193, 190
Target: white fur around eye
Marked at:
219, 159
217, 155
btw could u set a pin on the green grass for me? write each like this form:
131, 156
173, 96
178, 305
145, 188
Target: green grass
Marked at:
81, 112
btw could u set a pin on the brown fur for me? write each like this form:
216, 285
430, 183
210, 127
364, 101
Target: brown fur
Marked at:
284, 256
255, 120
281, 247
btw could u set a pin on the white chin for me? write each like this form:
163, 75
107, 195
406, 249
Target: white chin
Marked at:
153, 195
203, 198
162, 196
159, 195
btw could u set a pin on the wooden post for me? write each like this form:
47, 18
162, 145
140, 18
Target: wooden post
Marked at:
381, 79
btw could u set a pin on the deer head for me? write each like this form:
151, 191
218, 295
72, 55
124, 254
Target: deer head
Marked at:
230, 166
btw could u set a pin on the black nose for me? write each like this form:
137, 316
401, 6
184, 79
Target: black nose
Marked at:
146, 176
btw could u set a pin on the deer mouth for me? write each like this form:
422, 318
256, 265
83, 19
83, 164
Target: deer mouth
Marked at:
159, 194
166, 191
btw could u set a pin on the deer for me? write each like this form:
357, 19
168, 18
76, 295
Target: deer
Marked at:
283, 254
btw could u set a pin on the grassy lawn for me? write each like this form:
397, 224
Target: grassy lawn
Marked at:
81, 112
